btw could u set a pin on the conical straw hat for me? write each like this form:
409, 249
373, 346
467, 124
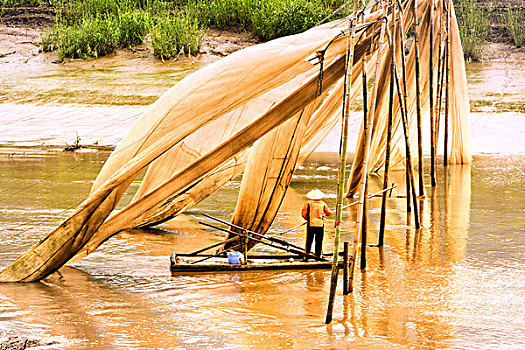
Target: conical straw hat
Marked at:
315, 194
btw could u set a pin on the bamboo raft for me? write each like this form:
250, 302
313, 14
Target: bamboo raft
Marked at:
291, 257
180, 265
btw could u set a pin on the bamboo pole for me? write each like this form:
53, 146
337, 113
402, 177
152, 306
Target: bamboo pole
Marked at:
402, 107
258, 235
290, 248
405, 99
410, 173
411, 186
365, 137
342, 165
213, 246
382, 221
216, 255
447, 91
441, 77
431, 98
362, 192
418, 101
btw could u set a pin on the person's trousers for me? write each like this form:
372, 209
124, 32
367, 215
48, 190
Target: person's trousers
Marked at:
318, 234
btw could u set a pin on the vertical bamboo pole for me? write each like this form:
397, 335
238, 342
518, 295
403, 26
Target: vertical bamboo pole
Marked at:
441, 77
447, 91
382, 221
342, 165
362, 191
441, 74
407, 145
431, 98
346, 249
405, 99
365, 137
411, 186
418, 101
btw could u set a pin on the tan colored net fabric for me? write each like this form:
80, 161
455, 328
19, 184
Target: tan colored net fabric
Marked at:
215, 122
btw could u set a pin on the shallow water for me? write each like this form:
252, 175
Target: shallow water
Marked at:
49, 104
457, 283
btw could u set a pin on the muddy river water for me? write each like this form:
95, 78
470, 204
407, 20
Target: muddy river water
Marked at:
457, 283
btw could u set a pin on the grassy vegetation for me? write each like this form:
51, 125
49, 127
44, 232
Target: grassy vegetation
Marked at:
175, 34
473, 25
515, 23
14, 3
93, 28
277, 18
266, 19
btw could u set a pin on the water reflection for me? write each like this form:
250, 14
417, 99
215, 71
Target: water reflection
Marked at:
406, 295
419, 291
70, 304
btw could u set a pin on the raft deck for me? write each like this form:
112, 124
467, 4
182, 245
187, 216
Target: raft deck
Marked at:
255, 263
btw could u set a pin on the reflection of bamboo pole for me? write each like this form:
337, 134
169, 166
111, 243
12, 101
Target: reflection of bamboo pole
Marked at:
431, 97
346, 249
418, 100
382, 221
447, 91
362, 191
342, 165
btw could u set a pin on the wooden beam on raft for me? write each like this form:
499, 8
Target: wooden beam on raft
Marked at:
258, 235
269, 241
431, 97
342, 165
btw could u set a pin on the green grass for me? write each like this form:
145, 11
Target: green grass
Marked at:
133, 26
276, 18
15, 3
92, 28
267, 19
473, 25
515, 23
175, 34
94, 37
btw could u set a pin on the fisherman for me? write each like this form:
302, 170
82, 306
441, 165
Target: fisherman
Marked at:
313, 211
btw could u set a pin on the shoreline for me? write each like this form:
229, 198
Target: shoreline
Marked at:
20, 50
11, 152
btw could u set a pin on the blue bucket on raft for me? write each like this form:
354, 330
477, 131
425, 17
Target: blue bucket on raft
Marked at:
233, 257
